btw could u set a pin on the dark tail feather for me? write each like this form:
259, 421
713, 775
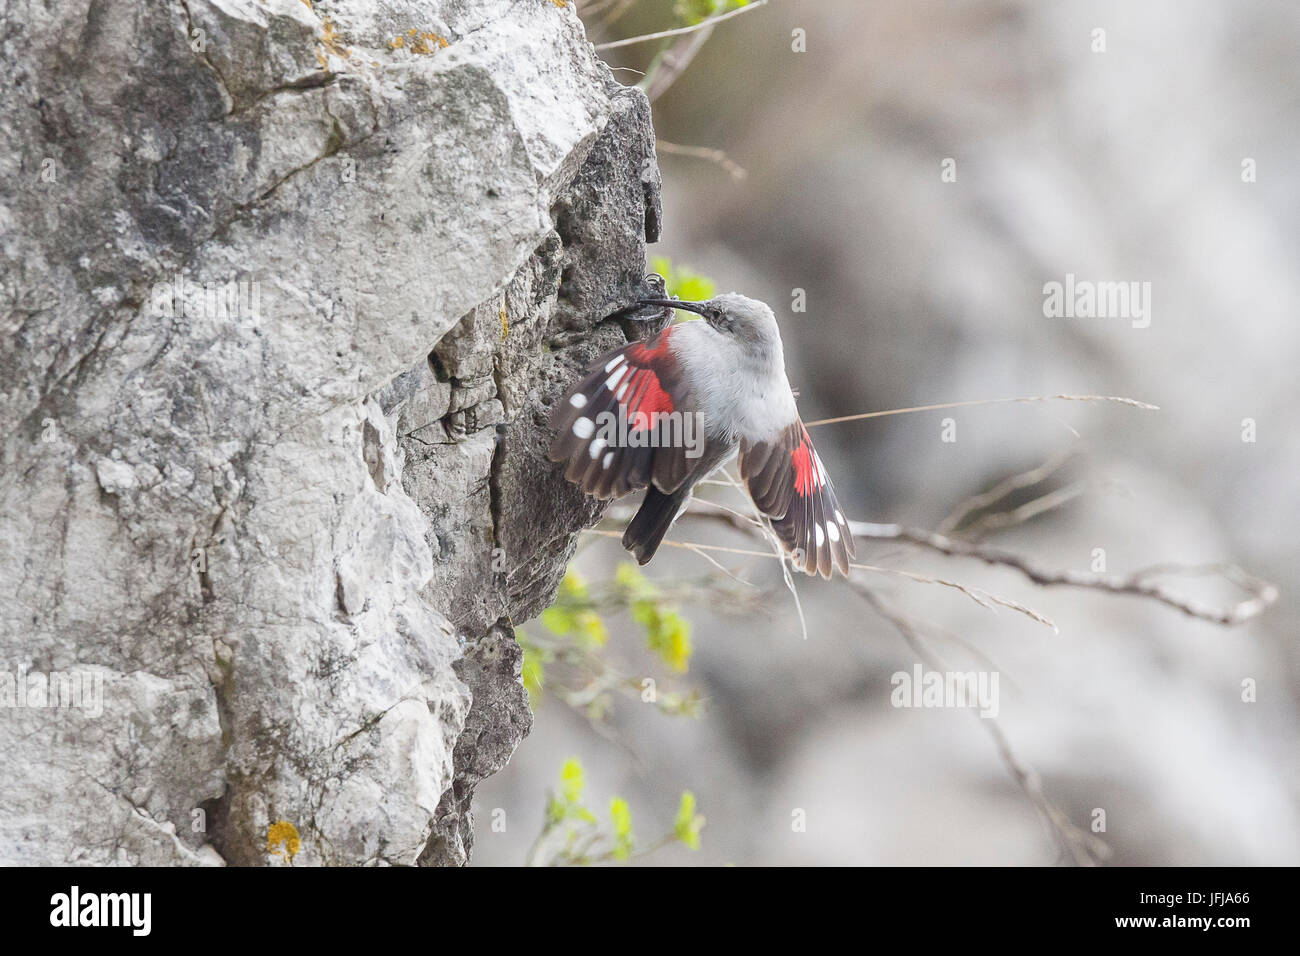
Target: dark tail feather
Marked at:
652, 520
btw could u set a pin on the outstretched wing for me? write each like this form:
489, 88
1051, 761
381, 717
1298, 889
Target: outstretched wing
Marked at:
789, 484
631, 421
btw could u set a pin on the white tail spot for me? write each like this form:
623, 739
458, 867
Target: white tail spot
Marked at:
584, 428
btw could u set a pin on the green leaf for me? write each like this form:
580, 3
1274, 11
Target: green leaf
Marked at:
534, 674
533, 669
630, 579
669, 636
572, 780
557, 620
590, 629
620, 816
555, 811
683, 283
688, 824
694, 288
571, 614
573, 586
693, 11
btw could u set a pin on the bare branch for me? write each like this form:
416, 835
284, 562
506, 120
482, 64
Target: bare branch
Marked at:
997, 520
682, 31
1026, 479
1084, 848
1262, 593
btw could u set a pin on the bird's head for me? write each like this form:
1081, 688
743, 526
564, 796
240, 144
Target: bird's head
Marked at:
749, 322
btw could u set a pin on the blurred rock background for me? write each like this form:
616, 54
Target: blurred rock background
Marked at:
1123, 165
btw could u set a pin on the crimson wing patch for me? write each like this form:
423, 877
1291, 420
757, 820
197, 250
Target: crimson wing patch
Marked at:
789, 484
628, 423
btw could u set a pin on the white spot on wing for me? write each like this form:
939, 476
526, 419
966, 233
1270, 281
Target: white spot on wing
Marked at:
578, 400
612, 382
584, 428
609, 457
821, 535
613, 363
622, 390
596, 448
832, 531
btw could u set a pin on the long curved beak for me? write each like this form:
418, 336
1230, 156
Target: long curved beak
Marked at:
696, 307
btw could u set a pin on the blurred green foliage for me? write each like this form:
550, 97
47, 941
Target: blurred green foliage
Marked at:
682, 283
573, 634
572, 835
668, 634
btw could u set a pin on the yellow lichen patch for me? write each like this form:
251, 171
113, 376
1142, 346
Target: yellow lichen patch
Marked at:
505, 322
420, 42
330, 43
560, 3
282, 839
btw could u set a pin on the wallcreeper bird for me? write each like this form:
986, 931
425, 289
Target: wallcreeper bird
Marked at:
664, 414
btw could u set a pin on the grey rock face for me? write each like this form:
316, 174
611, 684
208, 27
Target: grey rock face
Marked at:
283, 308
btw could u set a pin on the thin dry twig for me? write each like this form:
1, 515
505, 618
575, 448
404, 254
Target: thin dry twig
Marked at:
682, 31
1132, 402
765, 526
998, 520
1017, 482
718, 564
984, 599
707, 153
